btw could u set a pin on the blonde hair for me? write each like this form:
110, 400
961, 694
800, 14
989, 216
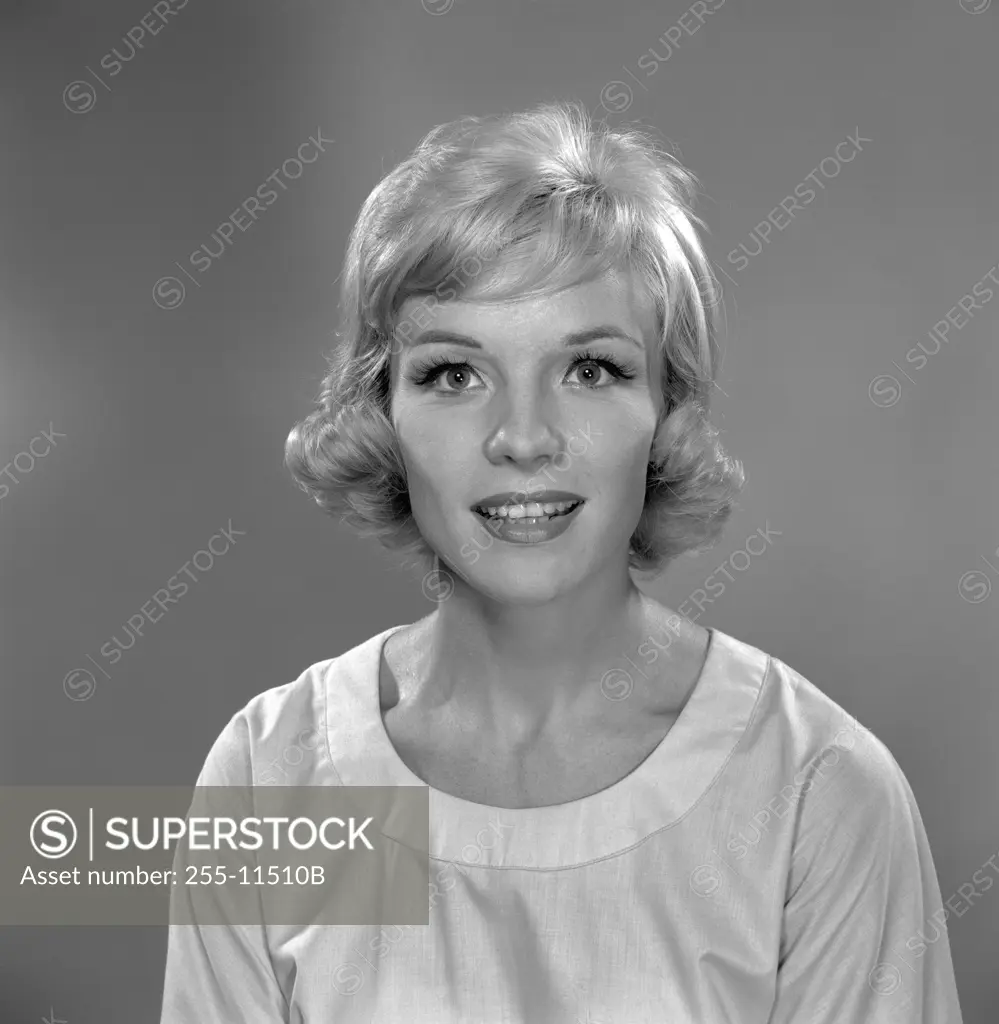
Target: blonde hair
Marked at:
558, 200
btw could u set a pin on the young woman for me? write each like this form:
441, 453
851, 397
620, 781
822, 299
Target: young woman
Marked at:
633, 818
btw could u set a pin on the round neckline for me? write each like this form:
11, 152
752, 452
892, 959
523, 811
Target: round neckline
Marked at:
653, 795
415, 779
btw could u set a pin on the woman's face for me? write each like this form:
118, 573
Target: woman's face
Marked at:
510, 412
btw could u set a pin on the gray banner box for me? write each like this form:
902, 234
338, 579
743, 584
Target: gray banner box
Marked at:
322, 862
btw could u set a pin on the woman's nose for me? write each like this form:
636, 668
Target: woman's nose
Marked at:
526, 434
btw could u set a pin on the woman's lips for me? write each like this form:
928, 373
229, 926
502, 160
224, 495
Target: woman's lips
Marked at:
531, 529
528, 520
545, 496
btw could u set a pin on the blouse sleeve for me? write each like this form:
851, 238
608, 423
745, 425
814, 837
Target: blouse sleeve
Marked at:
863, 938
219, 972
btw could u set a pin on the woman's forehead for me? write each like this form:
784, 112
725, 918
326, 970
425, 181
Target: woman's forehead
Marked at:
614, 298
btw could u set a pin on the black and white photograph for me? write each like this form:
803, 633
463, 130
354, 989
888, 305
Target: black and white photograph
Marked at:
499, 512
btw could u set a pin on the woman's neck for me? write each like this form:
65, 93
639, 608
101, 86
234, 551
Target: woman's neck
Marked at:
514, 672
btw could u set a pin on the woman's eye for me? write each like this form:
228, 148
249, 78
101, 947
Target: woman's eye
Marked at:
590, 372
590, 368
449, 378
458, 376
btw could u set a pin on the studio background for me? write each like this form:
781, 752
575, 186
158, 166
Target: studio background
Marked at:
166, 417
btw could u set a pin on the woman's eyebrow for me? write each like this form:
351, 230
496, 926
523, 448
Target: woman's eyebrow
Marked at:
437, 336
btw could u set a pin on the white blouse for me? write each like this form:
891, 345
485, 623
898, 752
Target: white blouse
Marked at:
765, 864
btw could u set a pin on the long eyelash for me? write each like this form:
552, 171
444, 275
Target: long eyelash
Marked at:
610, 365
432, 367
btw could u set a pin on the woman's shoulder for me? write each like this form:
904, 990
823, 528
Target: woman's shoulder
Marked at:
279, 737
807, 735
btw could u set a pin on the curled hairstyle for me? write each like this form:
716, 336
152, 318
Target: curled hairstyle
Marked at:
517, 206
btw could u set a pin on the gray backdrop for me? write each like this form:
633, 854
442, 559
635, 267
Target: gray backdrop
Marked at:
166, 409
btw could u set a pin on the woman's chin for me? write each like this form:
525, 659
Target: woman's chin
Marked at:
520, 579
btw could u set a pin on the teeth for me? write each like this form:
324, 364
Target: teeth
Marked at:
532, 509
